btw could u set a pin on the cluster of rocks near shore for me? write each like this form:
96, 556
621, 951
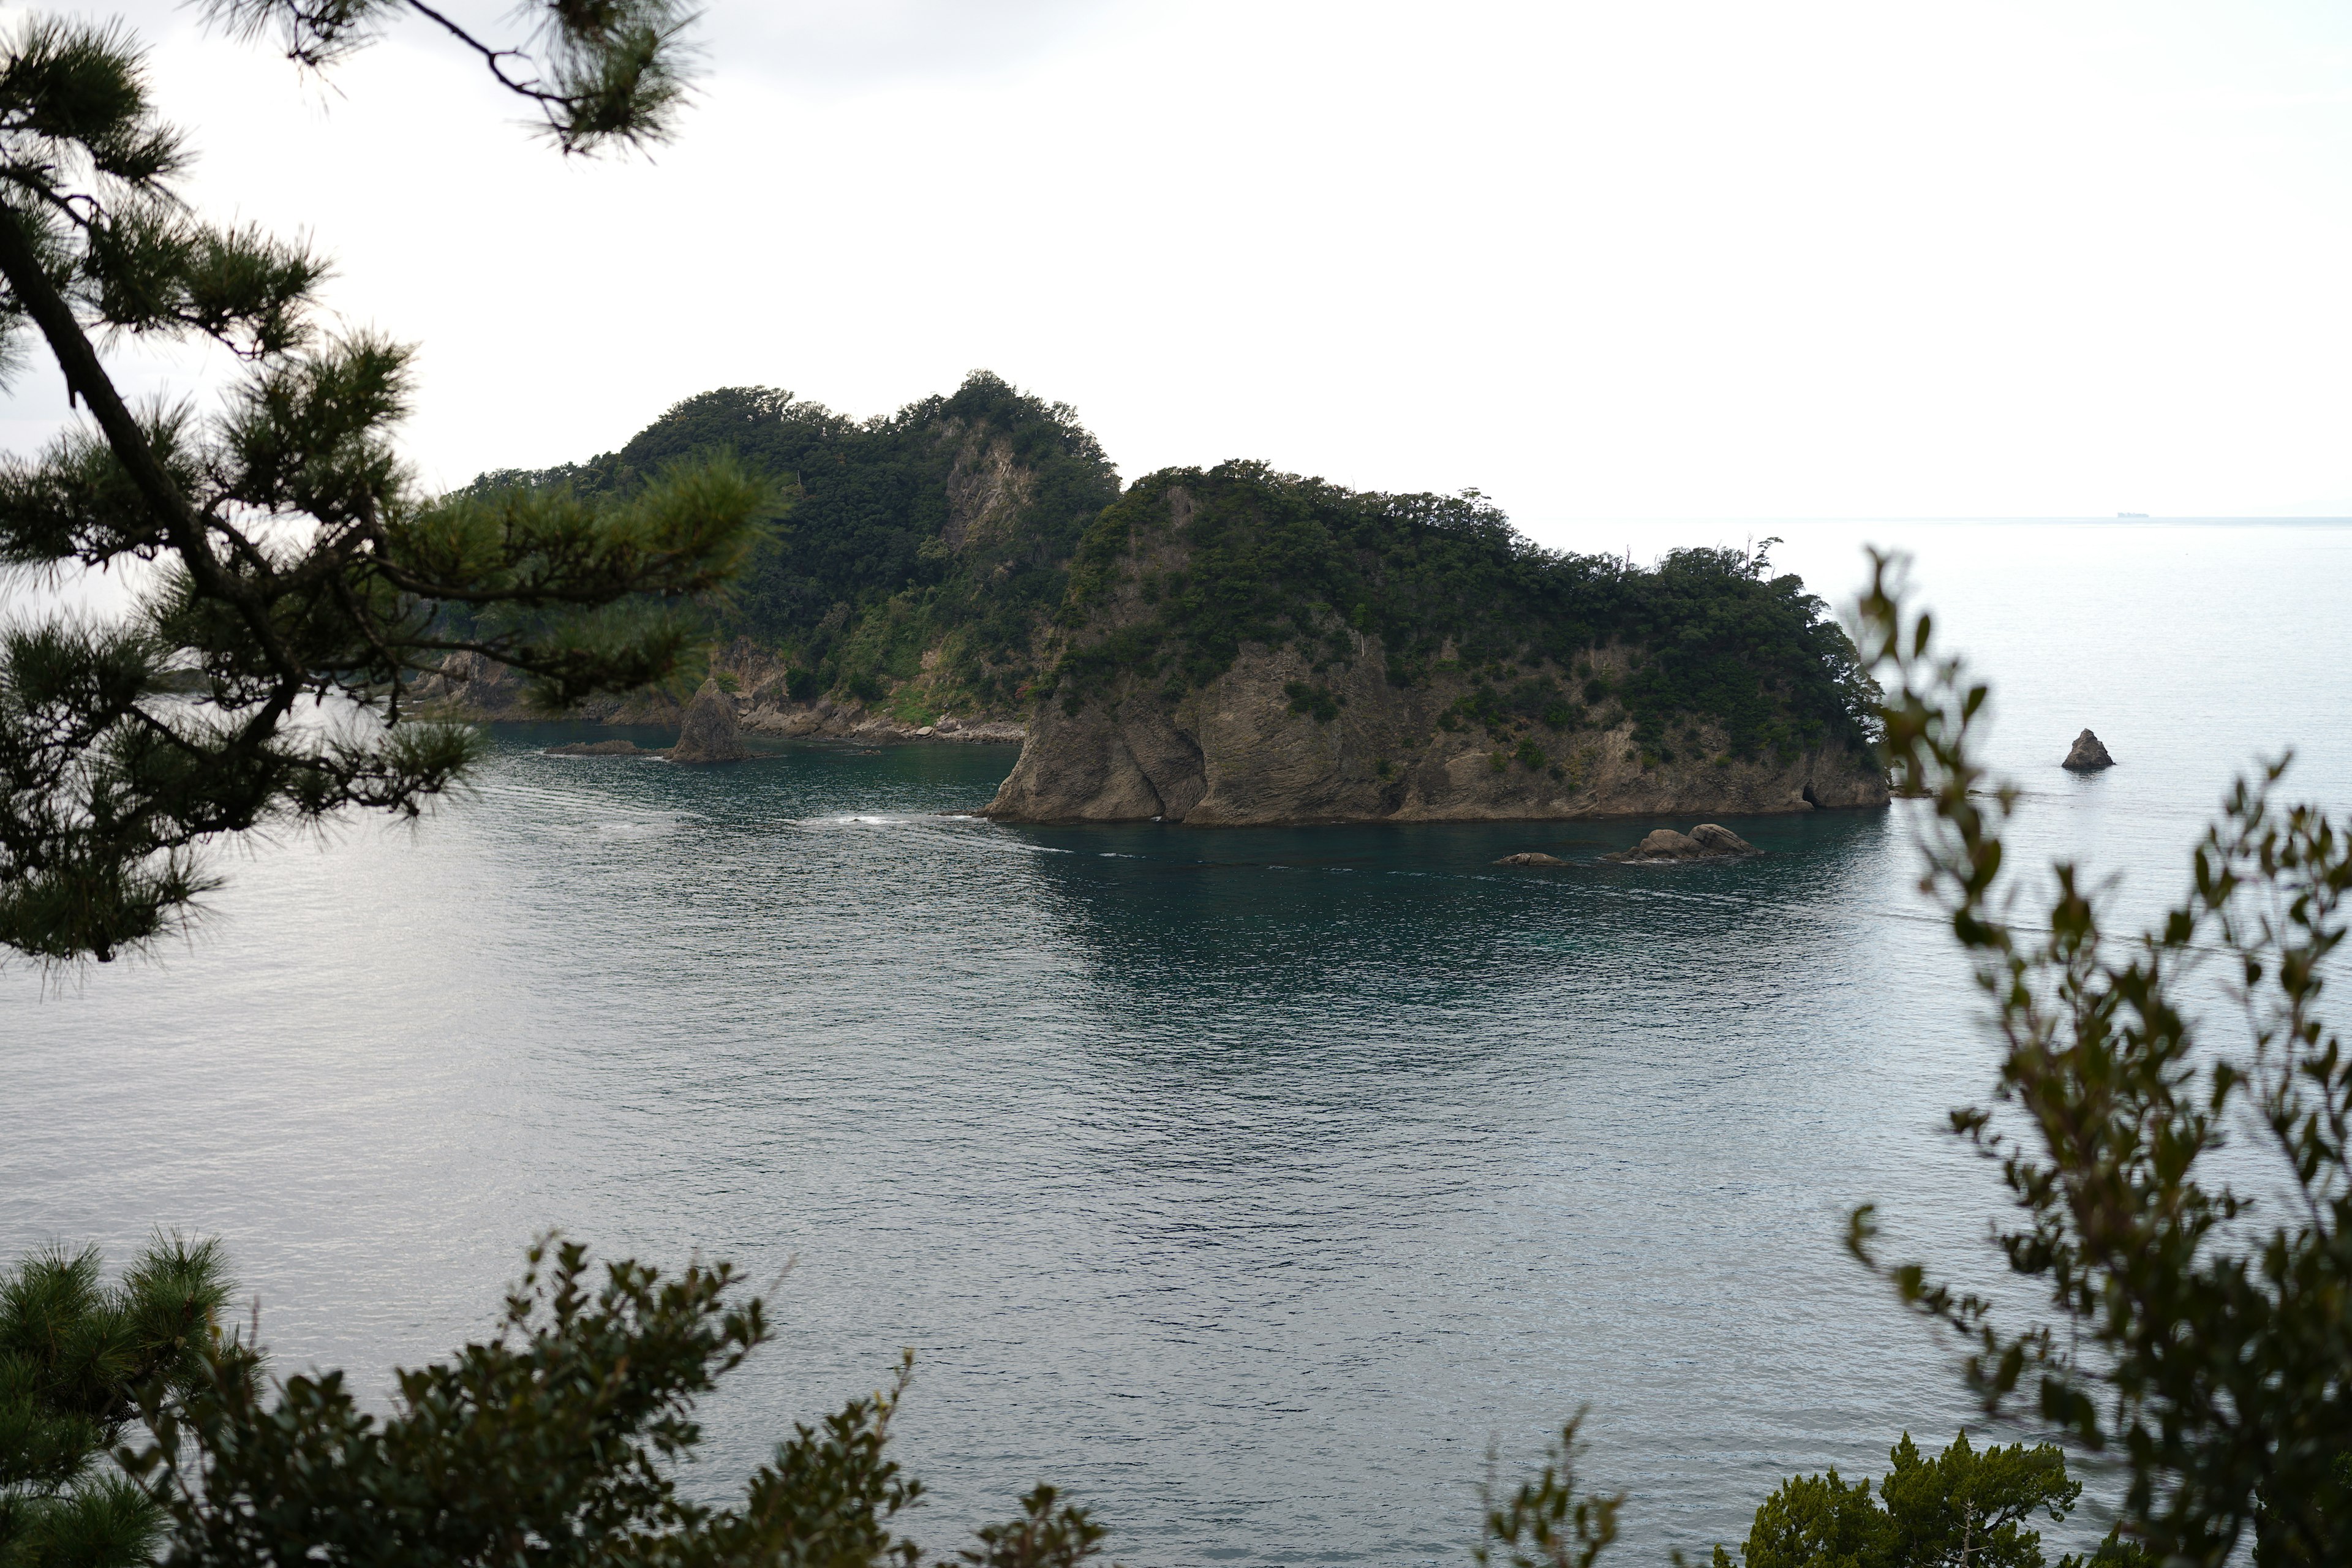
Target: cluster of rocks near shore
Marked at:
1709, 841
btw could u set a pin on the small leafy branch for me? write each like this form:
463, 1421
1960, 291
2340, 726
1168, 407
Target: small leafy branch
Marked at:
1547, 1522
2199, 1323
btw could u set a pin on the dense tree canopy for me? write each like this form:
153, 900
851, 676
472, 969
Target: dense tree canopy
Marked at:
559, 1440
869, 567
1964, 1507
1272, 558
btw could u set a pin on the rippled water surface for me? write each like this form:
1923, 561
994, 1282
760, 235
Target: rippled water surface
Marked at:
1248, 1184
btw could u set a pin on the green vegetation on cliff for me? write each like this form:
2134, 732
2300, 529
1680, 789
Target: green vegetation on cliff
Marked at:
948, 524
1447, 587
949, 554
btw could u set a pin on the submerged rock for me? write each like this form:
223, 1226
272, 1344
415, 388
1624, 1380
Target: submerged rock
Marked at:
707, 733
2088, 755
1530, 858
1707, 841
601, 749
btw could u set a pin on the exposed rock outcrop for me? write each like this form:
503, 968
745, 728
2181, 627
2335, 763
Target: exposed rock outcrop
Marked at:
471, 686
1203, 679
707, 735
1236, 752
1718, 840
1665, 844
1707, 841
826, 721
602, 749
1531, 858
2087, 756
474, 686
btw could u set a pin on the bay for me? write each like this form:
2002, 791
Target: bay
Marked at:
1248, 1184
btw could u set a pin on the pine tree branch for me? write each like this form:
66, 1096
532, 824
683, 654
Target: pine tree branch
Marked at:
494, 58
85, 376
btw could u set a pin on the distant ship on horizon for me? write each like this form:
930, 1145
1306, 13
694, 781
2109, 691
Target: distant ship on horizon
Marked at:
2131, 514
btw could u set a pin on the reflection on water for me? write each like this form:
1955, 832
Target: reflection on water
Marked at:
1248, 1184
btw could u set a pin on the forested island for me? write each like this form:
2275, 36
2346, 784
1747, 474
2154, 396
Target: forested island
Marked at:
1232, 645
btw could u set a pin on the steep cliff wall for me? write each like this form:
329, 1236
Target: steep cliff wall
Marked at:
1239, 750
1211, 675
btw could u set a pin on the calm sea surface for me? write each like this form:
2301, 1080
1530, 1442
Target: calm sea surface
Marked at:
1246, 1184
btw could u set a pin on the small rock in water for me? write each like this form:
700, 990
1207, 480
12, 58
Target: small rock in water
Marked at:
1717, 839
1707, 841
601, 749
1665, 844
707, 735
1530, 858
2088, 755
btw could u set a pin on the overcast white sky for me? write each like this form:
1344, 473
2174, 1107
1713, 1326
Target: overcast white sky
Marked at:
1673, 259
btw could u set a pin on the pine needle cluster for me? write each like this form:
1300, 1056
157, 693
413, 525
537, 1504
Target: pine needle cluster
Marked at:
291, 579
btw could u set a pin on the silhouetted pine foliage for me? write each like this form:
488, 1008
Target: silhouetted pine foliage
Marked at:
292, 578
79, 1357
557, 1440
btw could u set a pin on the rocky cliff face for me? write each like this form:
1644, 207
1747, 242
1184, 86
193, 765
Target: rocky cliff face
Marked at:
1240, 750
482, 690
1541, 710
479, 690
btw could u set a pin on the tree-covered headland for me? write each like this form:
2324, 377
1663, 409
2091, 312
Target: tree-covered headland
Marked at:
944, 531
1552, 641
960, 553
288, 566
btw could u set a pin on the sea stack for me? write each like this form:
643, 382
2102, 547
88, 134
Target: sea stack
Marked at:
707, 735
2088, 755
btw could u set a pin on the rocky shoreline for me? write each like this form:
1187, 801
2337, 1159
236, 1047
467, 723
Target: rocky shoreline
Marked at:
472, 687
1325, 718
1240, 752
824, 720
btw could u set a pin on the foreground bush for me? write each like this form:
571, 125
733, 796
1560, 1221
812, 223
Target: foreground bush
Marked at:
557, 1441
77, 1358
2197, 1320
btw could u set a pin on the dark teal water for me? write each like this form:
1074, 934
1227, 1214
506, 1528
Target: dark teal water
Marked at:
1248, 1184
